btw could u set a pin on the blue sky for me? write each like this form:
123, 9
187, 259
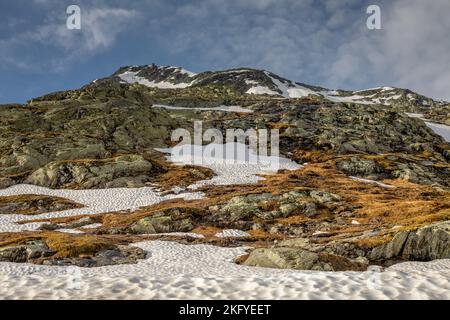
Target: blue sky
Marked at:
322, 42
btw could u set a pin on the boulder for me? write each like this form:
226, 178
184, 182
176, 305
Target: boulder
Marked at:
301, 259
428, 243
323, 197
392, 249
26, 252
118, 255
359, 167
239, 208
425, 244
161, 224
168, 220
93, 173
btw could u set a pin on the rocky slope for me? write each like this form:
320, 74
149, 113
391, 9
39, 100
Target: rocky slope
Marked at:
375, 189
261, 82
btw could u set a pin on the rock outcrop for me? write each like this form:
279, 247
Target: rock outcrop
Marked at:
168, 220
300, 254
37, 251
122, 171
35, 204
427, 243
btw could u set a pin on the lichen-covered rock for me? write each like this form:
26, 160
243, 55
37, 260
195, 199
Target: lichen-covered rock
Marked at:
93, 173
117, 255
26, 252
168, 220
269, 207
301, 259
427, 243
359, 167
34, 204
392, 249
162, 224
239, 208
323, 197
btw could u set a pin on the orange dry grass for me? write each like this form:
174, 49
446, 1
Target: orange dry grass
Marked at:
76, 246
182, 176
207, 231
407, 205
29, 204
63, 244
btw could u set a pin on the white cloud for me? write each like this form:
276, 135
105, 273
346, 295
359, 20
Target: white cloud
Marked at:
325, 43
100, 29
318, 42
412, 50
282, 36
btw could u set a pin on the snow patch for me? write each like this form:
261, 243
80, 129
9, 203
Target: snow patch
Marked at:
95, 201
232, 233
261, 90
233, 163
416, 115
176, 271
238, 109
132, 77
291, 90
440, 129
380, 184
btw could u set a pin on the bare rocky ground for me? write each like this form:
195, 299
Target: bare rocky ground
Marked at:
375, 189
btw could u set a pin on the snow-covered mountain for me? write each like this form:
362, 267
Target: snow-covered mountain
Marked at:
260, 82
156, 77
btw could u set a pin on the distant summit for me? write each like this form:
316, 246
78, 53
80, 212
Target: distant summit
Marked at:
261, 82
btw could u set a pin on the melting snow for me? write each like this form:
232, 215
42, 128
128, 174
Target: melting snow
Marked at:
349, 99
176, 271
440, 129
383, 185
95, 201
132, 77
220, 108
233, 163
232, 233
261, 90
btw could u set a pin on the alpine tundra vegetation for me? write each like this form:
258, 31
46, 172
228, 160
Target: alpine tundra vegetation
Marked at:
366, 181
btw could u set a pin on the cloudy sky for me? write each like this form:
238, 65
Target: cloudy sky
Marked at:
322, 42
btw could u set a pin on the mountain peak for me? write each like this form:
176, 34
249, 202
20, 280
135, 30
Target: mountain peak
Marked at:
250, 81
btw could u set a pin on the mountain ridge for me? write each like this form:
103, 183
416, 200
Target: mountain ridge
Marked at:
262, 82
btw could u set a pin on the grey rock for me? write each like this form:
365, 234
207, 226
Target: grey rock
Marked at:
300, 259
427, 243
179, 219
91, 174
25, 252
359, 167
163, 224
118, 255
324, 197
389, 250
